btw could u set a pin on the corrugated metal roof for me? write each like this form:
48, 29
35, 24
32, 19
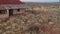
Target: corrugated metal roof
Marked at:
13, 7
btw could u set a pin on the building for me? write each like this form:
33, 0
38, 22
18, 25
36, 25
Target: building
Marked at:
10, 7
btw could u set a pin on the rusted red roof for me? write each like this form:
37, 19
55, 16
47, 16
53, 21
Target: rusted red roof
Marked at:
10, 2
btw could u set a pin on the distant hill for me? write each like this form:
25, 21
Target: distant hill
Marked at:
55, 2
44, 4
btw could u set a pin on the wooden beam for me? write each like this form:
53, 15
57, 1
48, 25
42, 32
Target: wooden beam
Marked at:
8, 12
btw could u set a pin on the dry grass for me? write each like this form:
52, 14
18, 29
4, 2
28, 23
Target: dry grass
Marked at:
45, 21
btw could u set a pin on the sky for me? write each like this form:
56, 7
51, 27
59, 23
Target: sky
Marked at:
39, 0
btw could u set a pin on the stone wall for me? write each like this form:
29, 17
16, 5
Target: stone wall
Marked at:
18, 11
4, 14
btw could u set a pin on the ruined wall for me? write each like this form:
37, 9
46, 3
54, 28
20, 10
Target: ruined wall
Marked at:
18, 11
5, 15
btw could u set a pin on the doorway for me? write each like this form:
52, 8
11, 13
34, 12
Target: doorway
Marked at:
10, 12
